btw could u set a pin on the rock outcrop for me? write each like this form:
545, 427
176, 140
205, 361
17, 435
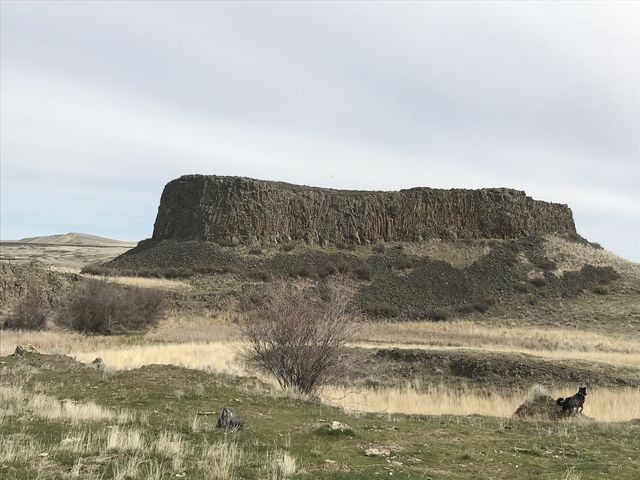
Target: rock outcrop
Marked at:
229, 420
248, 211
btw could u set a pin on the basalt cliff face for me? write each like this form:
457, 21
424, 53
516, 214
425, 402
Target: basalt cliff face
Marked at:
244, 210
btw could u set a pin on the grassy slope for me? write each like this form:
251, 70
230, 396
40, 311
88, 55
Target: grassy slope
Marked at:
426, 447
445, 277
475, 369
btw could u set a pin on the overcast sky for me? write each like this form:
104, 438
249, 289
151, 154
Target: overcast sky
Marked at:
102, 103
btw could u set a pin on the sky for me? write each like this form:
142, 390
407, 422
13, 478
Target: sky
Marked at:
103, 103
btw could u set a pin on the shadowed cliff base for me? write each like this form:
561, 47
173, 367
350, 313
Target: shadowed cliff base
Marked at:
431, 280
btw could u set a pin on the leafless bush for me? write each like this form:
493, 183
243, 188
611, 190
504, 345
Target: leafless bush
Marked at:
296, 337
261, 275
363, 272
378, 248
105, 308
381, 310
287, 247
31, 311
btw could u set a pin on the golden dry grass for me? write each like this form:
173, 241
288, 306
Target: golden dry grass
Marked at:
573, 256
212, 357
15, 402
221, 459
62, 257
210, 342
556, 344
145, 282
461, 333
603, 404
457, 254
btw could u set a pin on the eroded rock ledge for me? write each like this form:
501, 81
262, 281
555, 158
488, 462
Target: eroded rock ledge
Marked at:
244, 210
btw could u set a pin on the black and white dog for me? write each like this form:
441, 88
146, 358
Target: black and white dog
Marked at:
573, 404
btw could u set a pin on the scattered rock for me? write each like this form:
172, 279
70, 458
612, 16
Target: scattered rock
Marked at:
229, 420
377, 452
24, 349
98, 364
336, 426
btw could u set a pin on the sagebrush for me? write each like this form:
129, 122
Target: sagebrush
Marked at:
105, 308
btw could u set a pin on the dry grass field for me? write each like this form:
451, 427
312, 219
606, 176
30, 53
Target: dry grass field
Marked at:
211, 343
603, 405
104, 424
65, 258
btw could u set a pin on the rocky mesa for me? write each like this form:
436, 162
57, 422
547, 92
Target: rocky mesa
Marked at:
248, 211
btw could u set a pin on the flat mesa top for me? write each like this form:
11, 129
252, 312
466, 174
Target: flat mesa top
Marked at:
297, 187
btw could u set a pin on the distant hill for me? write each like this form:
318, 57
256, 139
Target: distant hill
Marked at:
79, 239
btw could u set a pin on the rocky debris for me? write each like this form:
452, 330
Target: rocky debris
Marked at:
229, 420
242, 210
377, 452
54, 286
336, 426
25, 349
539, 404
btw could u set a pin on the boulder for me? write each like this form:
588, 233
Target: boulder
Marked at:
98, 364
336, 426
24, 349
377, 452
229, 420
539, 404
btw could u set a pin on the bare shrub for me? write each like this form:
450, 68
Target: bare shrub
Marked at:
345, 246
403, 264
381, 310
538, 282
105, 308
31, 311
363, 272
327, 270
97, 269
301, 271
296, 337
601, 290
260, 275
378, 248
466, 308
431, 315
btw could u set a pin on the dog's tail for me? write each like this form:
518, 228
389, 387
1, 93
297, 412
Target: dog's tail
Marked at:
559, 401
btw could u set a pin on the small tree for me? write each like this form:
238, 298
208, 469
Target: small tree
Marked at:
297, 338
31, 311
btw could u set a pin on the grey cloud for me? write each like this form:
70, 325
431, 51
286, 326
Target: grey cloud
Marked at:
124, 96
